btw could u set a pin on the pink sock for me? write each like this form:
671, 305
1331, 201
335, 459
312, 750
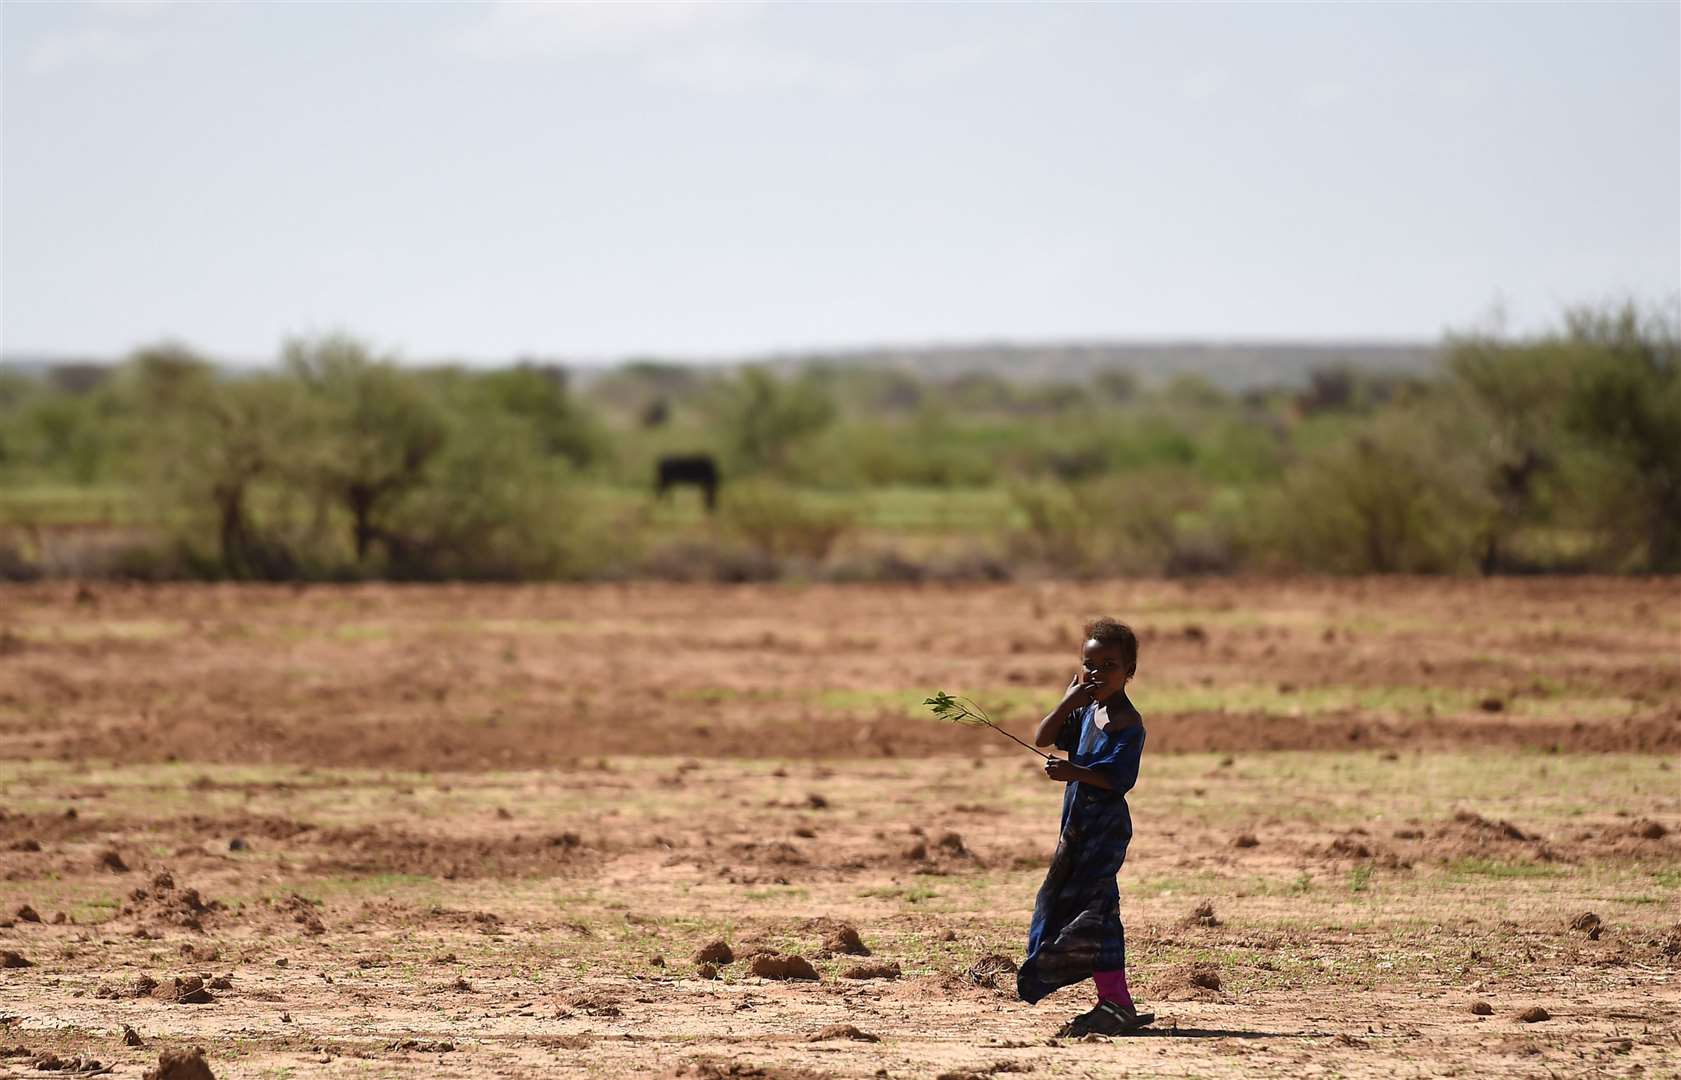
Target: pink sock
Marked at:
1112, 986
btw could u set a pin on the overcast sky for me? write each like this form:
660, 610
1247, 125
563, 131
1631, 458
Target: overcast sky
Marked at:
484, 181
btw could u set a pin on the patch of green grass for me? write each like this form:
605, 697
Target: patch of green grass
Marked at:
779, 892
1276, 700
910, 894
1668, 879
1172, 884
1003, 703
428, 888
1359, 879
103, 629
1495, 868
59, 504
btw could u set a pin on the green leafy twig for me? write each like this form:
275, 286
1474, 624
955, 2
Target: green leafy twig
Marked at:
963, 711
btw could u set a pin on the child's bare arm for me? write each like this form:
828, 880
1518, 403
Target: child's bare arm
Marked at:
1067, 771
1077, 696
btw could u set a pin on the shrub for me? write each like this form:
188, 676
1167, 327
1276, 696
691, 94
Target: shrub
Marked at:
375, 432
1136, 521
763, 417
781, 524
711, 559
1394, 497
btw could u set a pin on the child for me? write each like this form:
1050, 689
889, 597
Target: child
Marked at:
1076, 930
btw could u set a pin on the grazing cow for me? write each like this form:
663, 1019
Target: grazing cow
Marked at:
697, 469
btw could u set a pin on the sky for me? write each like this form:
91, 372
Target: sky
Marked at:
580, 181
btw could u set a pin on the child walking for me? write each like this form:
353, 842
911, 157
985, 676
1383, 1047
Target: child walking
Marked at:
1077, 931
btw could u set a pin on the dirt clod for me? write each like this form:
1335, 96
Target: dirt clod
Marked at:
1587, 922
50, 1062
142, 986
132, 1037
843, 1031
161, 902
1198, 981
302, 911
1475, 826
1482, 1008
774, 966
1534, 1015
1347, 847
706, 971
952, 844
844, 939
111, 859
184, 990
10, 959
25, 913
715, 952
188, 1064
875, 969
1245, 840
1201, 915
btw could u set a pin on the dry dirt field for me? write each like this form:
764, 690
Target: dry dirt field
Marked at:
392, 831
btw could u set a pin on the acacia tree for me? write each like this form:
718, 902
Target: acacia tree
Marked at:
539, 395
1626, 402
375, 433
209, 441
1397, 495
764, 417
1517, 393
1581, 424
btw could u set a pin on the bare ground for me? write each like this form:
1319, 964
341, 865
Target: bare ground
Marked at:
476, 832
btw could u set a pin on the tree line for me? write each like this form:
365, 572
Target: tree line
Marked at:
1556, 452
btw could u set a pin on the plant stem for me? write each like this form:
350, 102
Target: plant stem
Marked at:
985, 720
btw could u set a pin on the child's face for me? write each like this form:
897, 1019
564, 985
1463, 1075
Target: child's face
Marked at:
1105, 670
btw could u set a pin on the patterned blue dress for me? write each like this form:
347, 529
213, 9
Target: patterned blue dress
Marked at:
1077, 917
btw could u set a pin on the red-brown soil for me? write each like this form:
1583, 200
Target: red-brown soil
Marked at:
709, 832
457, 677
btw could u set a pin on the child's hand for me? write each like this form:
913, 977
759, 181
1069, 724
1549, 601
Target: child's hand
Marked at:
1061, 770
1079, 688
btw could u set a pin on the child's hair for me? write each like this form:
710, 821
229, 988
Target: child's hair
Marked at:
1107, 631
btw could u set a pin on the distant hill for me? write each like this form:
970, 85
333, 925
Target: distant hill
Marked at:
1232, 365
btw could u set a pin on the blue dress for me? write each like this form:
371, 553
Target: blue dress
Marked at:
1077, 916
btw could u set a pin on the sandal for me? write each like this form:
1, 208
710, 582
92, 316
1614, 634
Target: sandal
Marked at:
1108, 1018
1080, 1025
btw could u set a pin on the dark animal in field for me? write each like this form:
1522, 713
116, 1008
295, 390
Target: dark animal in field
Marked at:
697, 469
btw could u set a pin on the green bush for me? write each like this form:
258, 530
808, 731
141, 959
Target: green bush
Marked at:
780, 523
762, 418
1557, 452
1150, 520
1625, 402
1398, 496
